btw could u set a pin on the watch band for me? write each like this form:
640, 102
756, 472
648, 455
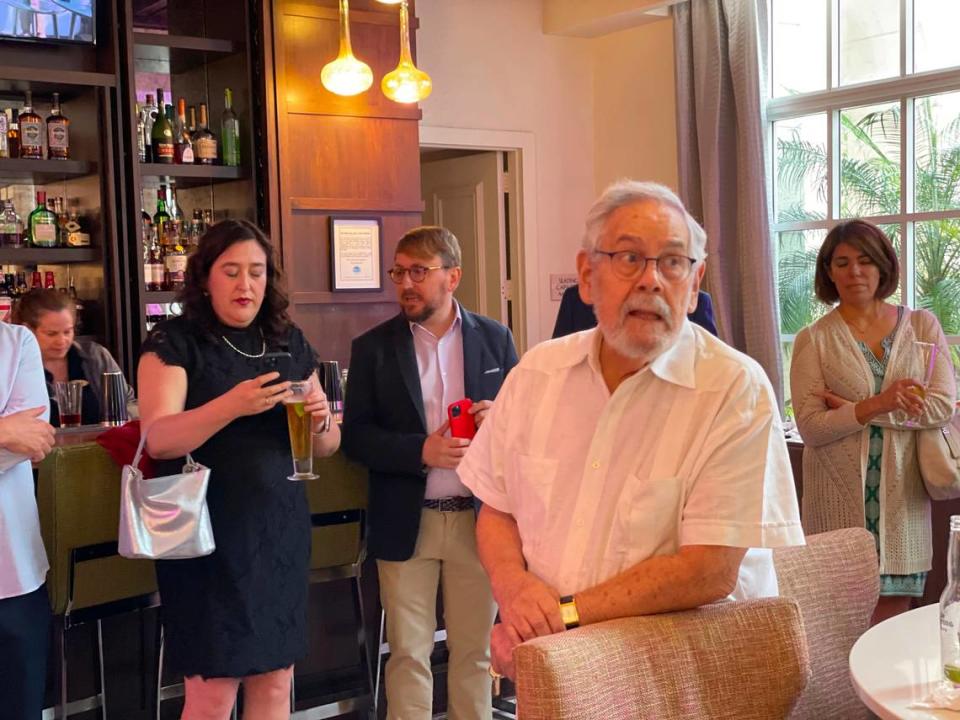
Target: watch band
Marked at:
568, 612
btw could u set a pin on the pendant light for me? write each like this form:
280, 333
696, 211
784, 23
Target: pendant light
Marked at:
405, 83
346, 75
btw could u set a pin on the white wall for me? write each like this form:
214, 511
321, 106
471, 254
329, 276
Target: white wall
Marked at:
635, 105
493, 68
598, 109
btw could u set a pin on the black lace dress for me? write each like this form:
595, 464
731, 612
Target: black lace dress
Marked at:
241, 610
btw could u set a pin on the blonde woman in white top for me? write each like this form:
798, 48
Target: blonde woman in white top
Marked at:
851, 371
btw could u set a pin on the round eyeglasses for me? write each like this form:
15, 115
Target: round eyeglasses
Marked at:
417, 272
629, 264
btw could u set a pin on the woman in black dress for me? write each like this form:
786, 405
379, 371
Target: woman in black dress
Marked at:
238, 615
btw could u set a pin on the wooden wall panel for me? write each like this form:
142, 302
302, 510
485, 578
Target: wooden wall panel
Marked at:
356, 156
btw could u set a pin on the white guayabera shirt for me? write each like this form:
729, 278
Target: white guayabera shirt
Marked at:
23, 561
688, 451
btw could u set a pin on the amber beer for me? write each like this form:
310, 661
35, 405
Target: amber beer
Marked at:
301, 446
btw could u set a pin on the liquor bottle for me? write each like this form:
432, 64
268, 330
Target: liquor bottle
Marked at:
149, 115
204, 141
43, 224
141, 143
77, 305
49, 281
183, 151
37, 283
4, 127
193, 121
161, 217
174, 265
59, 207
229, 131
161, 136
13, 134
22, 288
11, 227
152, 264
58, 132
173, 206
31, 130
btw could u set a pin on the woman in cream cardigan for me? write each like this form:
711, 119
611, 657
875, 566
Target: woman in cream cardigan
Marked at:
852, 370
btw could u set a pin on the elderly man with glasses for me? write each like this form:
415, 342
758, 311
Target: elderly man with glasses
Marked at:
404, 374
636, 468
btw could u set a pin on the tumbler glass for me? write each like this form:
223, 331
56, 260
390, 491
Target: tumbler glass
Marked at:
69, 397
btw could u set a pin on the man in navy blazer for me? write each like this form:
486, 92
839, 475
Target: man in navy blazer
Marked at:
575, 315
404, 374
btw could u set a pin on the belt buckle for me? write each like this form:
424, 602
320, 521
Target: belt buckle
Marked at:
445, 505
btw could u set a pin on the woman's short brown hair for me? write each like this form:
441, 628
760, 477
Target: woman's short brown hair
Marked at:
872, 242
33, 305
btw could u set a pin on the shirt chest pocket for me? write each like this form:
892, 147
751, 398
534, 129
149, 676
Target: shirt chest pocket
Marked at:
647, 520
530, 482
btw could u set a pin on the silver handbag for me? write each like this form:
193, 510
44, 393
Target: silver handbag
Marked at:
164, 518
938, 454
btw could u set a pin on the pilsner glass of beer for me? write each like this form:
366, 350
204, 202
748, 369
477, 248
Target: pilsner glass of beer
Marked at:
298, 424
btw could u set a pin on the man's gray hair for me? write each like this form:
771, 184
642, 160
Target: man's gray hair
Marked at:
626, 192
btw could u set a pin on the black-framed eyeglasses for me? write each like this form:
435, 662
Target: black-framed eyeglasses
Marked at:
417, 272
629, 264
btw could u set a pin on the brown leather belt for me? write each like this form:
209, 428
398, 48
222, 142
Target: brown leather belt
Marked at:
457, 503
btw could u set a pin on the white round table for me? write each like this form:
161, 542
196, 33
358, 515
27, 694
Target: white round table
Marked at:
897, 663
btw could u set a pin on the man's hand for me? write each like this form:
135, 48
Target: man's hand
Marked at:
479, 410
24, 433
503, 639
529, 606
443, 452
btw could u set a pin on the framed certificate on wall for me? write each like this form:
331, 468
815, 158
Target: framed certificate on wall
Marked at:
355, 251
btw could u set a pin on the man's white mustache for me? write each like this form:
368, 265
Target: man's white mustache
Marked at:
653, 305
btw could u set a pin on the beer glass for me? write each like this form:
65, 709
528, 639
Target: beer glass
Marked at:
924, 359
299, 426
69, 397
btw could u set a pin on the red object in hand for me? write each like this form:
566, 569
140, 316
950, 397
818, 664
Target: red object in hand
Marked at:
462, 423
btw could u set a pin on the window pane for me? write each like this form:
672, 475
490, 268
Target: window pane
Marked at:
937, 257
869, 40
870, 160
799, 30
935, 43
800, 168
937, 176
893, 232
796, 265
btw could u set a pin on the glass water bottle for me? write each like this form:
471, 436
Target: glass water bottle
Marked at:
950, 609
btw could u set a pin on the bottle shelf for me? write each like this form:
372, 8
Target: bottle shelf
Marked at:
181, 52
47, 256
187, 42
39, 172
15, 79
193, 175
151, 297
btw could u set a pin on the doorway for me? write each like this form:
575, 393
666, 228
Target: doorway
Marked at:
474, 193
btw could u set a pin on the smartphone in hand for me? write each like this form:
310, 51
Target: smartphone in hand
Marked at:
462, 423
280, 362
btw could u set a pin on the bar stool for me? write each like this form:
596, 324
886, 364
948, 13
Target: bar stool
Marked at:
78, 495
338, 501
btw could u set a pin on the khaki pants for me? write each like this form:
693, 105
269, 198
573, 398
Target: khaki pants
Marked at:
445, 554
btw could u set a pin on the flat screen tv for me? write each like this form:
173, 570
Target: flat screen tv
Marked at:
48, 21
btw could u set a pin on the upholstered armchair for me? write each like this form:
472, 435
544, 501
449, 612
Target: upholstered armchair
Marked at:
738, 661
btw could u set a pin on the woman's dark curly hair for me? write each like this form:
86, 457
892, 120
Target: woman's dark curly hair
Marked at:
272, 317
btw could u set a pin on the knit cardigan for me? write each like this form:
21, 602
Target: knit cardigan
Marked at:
826, 356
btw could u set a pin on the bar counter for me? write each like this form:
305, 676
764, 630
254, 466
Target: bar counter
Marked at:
78, 487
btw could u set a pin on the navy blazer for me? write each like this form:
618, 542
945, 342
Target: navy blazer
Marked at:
575, 315
384, 426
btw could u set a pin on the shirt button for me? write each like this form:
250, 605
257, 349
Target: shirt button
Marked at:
595, 464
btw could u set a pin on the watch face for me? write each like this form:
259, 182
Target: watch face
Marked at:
568, 613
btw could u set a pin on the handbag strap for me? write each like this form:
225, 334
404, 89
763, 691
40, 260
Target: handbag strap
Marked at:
143, 440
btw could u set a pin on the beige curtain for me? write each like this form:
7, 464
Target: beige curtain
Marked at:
721, 129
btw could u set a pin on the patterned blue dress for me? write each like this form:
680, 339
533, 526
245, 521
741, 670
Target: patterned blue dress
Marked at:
910, 585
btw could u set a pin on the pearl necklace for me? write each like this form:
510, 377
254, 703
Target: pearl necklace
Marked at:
233, 347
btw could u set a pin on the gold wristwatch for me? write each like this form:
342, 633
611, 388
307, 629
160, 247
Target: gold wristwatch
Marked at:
568, 612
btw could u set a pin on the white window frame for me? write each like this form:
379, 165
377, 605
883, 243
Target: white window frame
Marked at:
903, 89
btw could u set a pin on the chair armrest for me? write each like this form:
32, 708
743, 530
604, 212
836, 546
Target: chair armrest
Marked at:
745, 660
